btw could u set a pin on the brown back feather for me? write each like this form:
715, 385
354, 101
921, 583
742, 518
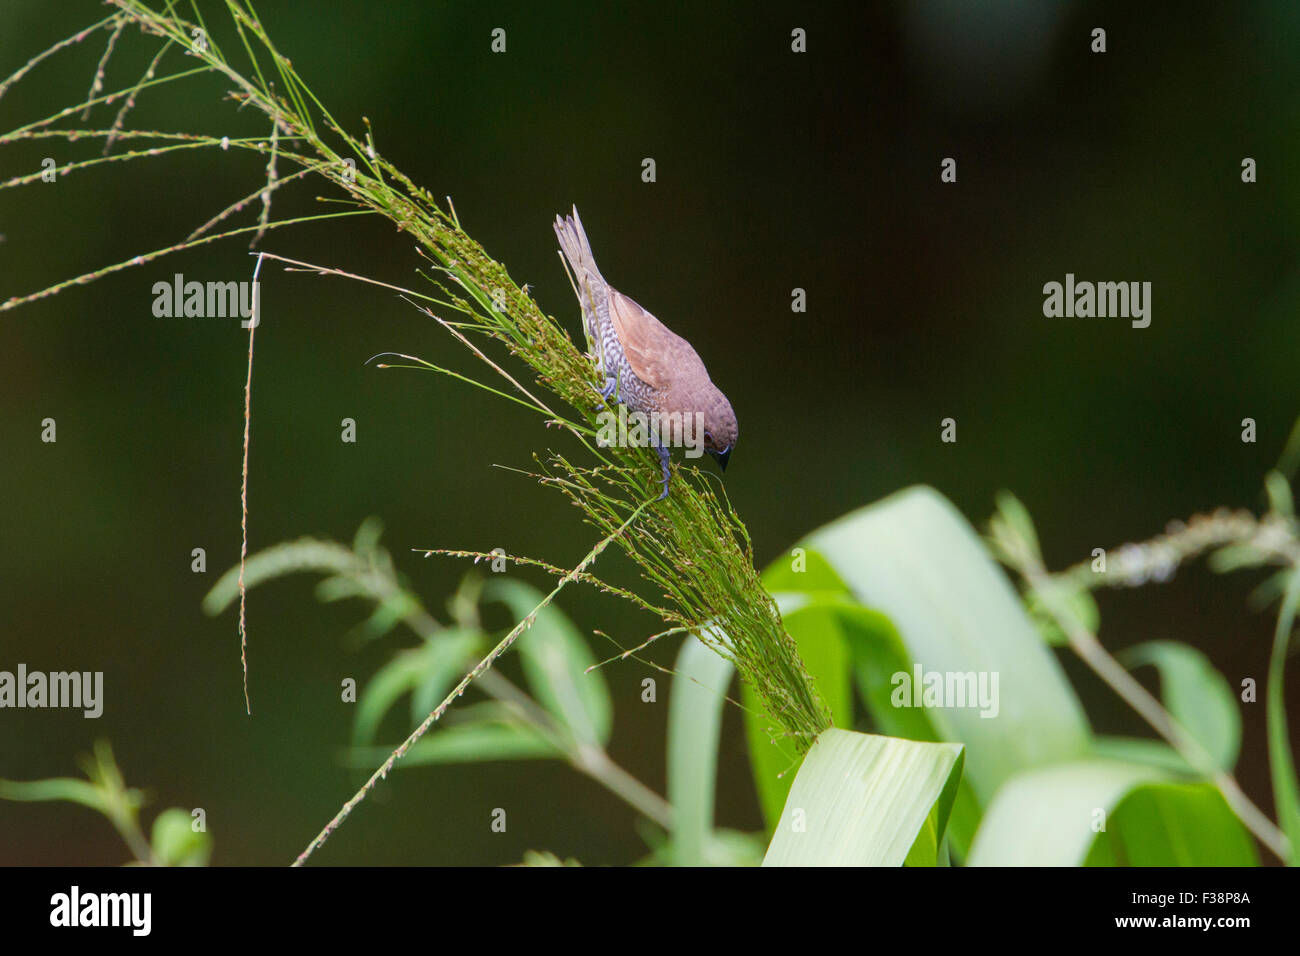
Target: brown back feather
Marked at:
656, 353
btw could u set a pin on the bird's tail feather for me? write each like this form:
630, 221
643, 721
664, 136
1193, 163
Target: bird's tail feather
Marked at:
576, 248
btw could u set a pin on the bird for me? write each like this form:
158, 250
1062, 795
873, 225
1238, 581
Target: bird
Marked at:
642, 363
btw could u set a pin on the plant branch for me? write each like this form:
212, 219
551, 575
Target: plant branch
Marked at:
1084, 643
477, 671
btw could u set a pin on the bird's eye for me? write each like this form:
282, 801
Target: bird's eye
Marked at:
708, 438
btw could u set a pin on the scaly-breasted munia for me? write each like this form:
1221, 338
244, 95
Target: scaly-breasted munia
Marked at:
644, 364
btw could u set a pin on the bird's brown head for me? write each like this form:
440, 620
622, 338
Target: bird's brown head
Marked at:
720, 428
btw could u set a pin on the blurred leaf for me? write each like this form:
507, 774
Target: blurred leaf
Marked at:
1067, 600
388, 613
879, 655
865, 800
430, 667
367, 537
546, 858
289, 557
1046, 816
105, 792
700, 684
1269, 590
1012, 530
733, 848
555, 659
1279, 494
455, 651
463, 603
175, 842
390, 682
1290, 459
722, 848
813, 575
1107, 812
915, 559
1173, 824
339, 587
657, 839
464, 743
55, 788
1142, 750
1195, 694
1233, 557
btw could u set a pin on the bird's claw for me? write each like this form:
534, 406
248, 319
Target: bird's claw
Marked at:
663, 463
604, 393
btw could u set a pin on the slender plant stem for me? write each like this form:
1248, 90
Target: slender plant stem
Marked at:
1084, 643
600, 766
243, 487
135, 841
588, 759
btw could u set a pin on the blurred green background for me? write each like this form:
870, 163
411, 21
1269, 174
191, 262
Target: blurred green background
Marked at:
775, 171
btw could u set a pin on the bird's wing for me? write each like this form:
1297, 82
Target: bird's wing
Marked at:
652, 349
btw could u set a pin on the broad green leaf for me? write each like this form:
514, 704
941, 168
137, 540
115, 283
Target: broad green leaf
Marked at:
879, 656
1195, 694
700, 684
1049, 816
915, 559
866, 800
1105, 812
835, 634
925, 851
817, 634
556, 659
1173, 824
805, 572
175, 842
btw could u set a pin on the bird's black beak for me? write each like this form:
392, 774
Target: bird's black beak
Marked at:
722, 457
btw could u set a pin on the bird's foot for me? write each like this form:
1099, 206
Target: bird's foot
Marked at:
663, 463
604, 393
